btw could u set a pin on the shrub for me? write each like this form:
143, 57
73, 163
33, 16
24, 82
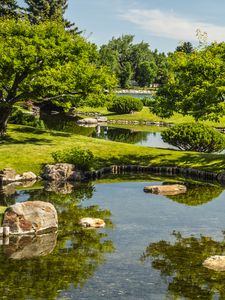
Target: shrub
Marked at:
148, 101
25, 118
194, 137
125, 105
82, 159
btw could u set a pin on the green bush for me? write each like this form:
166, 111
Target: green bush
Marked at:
125, 105
194, 137
82, 159
25, 118
148, 101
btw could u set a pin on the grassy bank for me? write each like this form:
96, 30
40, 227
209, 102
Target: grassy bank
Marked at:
147, 115
28, 149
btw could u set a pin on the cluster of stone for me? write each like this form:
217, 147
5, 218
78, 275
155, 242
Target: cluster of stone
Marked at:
9, 175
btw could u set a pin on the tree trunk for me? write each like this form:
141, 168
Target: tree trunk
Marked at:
5, 113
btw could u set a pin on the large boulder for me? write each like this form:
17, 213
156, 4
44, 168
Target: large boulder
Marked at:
25, 247
61, 172
31, 217
216, 262
172, 189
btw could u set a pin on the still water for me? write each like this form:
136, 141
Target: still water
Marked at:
152, 247
150, 138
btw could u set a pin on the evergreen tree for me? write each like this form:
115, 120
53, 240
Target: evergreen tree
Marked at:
8, 8
42, 10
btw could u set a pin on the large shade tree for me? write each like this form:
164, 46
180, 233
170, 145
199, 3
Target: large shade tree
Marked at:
195, 85
43, 62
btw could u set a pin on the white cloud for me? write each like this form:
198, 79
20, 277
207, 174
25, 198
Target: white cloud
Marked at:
170, 25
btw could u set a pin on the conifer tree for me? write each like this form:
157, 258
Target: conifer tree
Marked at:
42, 10
8, 8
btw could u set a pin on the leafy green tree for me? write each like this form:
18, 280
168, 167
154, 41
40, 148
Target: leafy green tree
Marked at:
161, 62
126, 59
116, 55
44, 62
146, 73
8, 8
195, 85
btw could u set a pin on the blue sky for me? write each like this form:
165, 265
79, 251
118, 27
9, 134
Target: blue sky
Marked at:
161, 23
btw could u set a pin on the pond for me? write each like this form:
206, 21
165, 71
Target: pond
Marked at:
152, 247
150, 136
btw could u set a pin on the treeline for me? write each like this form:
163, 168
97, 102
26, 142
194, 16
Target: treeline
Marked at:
134, 64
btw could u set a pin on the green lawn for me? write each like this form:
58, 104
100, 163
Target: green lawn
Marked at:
147, 115
28, 149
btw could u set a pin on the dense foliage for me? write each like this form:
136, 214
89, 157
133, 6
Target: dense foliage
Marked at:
42, 62
125, 105
25, 118
9, 8
194, 137
82, 159
133, 62
195, 84
44, 10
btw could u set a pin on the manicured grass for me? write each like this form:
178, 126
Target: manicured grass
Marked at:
28, 149
147, 115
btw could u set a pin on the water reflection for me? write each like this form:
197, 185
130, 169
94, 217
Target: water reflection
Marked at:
38, 267
180, 263
150, 138
198, 195
28, 246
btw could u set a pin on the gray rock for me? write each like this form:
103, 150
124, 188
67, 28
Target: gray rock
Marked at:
61, 172
102, 119
173, 189
31, 217
8, 175
216, 262
87, 121
28, 176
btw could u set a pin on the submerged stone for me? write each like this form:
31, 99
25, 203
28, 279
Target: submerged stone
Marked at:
92, 222
216, 263
172, 189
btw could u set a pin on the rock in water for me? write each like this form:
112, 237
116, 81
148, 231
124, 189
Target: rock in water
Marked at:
216, 263
31, 217
172, 189
92, 222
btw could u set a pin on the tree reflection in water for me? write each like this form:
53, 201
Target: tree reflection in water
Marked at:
75, 258
198, 195
181, 262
